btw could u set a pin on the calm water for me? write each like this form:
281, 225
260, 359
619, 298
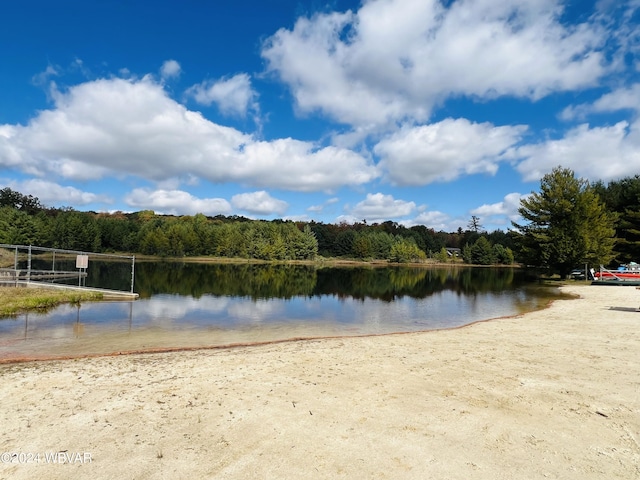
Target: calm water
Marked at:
197, 305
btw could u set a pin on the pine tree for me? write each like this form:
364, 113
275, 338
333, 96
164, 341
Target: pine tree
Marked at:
482, 252
623, 197
568, 225
628, 241
474, 224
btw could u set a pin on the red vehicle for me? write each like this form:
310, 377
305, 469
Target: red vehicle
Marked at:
630, 271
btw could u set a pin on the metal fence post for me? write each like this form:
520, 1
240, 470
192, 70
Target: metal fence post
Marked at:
29, 265
133, 267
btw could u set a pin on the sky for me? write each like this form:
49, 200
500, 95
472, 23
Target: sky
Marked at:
420, 112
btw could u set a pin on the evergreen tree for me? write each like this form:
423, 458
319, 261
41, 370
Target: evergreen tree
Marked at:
307, 247
467, 254
482, 252
442, 256
623, 197
628, 241
474, 224
344, 242
567, 225
362, 247
18, 227
502, 254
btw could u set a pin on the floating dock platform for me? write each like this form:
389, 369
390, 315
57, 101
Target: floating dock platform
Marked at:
106, 294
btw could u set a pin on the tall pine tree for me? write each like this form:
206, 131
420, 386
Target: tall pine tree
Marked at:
567, 225
623, 197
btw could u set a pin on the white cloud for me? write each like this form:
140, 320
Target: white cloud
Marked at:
500, 213
320, 208
445, 150
492, 216
348, 219
598, 153
176, 202
170, 69
478, 48
10, 154
132, 127
295, 165
297, 218
259, 203
233, 95
52, 194
436, 220
42, 78
380, 208
619, 99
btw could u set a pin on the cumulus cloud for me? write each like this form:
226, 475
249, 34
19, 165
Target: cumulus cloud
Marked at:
50, 193
332, 62
382, 70
439, 221
297, 218
175, 202
233, 96
170, 69
296, 165
320, 208
132, 127
377, 207
596, 153
259, 203
619, 99
445, 150
501, 212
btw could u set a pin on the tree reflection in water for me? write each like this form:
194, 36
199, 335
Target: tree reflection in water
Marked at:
191, 305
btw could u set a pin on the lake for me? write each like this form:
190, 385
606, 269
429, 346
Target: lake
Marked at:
193, 305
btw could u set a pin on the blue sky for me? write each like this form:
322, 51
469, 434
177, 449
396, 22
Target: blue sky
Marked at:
416, 111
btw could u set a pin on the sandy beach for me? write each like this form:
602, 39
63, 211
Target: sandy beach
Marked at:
550, 394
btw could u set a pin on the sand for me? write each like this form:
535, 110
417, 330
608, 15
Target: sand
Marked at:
550, 394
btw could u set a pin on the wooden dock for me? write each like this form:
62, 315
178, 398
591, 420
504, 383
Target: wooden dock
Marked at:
106, 294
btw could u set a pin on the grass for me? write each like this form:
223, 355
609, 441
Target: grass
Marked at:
14, 300
7, 258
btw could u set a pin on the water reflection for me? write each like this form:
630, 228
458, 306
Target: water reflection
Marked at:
195, 305
288, 281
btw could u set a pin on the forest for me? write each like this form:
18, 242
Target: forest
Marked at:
24, 220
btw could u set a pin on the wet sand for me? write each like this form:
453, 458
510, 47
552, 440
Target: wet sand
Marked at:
550, 394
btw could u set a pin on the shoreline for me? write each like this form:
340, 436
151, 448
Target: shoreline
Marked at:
240, 345
27, 358
553, 393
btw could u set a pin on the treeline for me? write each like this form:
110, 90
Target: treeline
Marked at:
622, 197
25, 221
166, 236
395, 242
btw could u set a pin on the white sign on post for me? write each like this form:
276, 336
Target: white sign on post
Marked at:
82, 261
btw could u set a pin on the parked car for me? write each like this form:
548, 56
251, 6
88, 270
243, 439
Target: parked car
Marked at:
577, 274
